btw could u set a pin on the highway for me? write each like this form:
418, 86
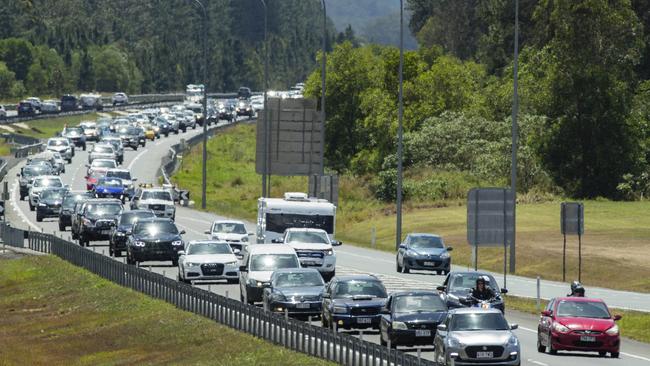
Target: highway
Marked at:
144, 164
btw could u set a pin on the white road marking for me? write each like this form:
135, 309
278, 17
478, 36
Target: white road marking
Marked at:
19, 211
366, 257
136, 158
635, 356
537, 362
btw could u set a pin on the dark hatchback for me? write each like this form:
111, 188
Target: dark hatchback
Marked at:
129, 136
69, 103
411, 318
98, 219
423, 252
458, 286
49, 203
295, 290
28, 173
25, 108
67, 207
353, 302
121, 232
154, 240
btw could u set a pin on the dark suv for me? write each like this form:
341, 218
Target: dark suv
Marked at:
129, 136
26, 108
69, 103
244, 92
49, 203
28, 173
119, 235
76, 136
154, 240
67, 207
98, 219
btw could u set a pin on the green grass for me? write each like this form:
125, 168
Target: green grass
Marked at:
46, 128
56, 313
617, 233
634, 325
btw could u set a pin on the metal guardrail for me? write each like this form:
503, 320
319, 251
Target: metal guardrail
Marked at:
24, 151
289, 333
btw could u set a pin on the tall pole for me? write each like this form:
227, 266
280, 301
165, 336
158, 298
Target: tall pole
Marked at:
323, 74
398, 234
204, 178
265, 167
513, 167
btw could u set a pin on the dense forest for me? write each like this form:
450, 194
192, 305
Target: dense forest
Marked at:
584, 100
57, 46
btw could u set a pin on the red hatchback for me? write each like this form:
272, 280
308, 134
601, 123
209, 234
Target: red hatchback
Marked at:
578, 324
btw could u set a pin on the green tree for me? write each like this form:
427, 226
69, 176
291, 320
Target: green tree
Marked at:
7, 80
588, 143
17, 54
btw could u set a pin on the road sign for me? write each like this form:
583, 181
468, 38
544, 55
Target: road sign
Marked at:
295, 138
489, 217
572, 218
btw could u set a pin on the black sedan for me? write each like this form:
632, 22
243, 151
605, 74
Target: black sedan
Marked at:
154, 240
49, 203
295, 290
458, 287
353, 302
423, 252
67, 207
119, 235
411, 318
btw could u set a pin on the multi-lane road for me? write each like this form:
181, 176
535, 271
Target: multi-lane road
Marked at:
144, 164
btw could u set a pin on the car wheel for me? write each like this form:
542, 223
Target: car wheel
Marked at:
61, 227
110, 251
22, 198
70, 161
84, 147
74, 235
614, 354
135, 148
397, 266
31, 207
167, 134
602, 354
439, 273
550, 348
540, 347
118, 253
405, 269
323, 321
39, 218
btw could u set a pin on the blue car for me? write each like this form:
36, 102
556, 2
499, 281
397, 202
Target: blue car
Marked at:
423, 252
353, 302
110, 187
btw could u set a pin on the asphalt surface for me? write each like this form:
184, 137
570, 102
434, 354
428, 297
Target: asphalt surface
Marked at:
144, 164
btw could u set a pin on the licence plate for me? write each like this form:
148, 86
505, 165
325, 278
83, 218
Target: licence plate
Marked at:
430, 264
302, 306
422, 333
105, 232
588, 338
364, 320
484, 354
312, 263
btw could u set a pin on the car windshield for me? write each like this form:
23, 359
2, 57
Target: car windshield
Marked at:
297, 279
271, 262
208, 248
119, 174
110, 182
101, 209
52, 195
314, 237
128, 218
31, 170
467, 281
229, 228
57, 143
422, 241
47, 182
418, 304
349, 289
155, 228
582, 309
103, 164
70, 200
156, 195
103, 149
478, 321
74, 131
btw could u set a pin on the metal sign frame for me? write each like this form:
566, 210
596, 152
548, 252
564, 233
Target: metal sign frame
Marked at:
572, 222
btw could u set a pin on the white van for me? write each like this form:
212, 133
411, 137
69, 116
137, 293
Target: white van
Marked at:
258, 265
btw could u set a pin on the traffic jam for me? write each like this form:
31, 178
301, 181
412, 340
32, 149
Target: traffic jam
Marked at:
288, 264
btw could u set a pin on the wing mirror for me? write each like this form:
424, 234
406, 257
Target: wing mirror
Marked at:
181, 252
243, 269
546, 313
337, 243
277, 241
449, 249
618, 317
402, 246
182, 232
236, 251
442, 328
207, 232
250, 233
441, 288
514, 326
504, 291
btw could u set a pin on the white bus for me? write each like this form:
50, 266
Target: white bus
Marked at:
194, 93
275, 215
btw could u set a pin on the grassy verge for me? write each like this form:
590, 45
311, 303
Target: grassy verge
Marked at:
45, 128
634, 325
55, 313
616, 232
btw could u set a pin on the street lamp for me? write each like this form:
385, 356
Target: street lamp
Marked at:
265, 164
204, 15
323, 74
398, 234
513, 167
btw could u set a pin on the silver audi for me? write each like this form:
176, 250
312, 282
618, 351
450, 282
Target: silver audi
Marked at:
471, 336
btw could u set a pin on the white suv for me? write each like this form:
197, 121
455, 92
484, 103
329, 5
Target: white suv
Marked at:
39, 184
158, 200
258, 265
119, 98
314, 249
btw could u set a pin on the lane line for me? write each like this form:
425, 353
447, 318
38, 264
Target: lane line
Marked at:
537, 362
136, 158
19, 211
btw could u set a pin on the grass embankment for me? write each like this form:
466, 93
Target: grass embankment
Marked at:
614, 248
57, 314
634, 325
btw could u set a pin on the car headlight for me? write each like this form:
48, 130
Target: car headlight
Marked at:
399, 325
340, 310
120, 233
444, 255
255, 283
560, 328
244, 238
277, 296
411, 253
177, 243
513, 341
139, 243
192, 264
230, 263
329, 252
613, 331
455, 343
88, 222
169, 208
42, 205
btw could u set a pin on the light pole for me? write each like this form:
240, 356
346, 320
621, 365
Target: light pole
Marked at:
204, 15
265, 165
323, 74
513, 167
398, 234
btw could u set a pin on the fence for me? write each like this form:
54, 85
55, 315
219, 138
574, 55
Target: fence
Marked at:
289, 333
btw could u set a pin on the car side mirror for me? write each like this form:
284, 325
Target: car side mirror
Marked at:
442, 328
384, 311
449, 249
402, 246
618, 317
18, 175
236, 251
134, 179
325, 295
207, 232
514, 326
182, 232
546, 313
87, 166
181, 252
441, 288
250, 233
243, 269
86, 177
337, 243
504, 291
277, 241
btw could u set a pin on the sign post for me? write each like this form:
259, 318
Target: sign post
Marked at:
572, 222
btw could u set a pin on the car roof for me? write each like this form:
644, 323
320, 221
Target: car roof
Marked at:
424, 234
358, 277
480, 273
271, 249
228, 222
304, 229
579, 299
155, 219
296, 270
415, 293
48, 177
473, 311
107, 200
207, 241
117, 169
